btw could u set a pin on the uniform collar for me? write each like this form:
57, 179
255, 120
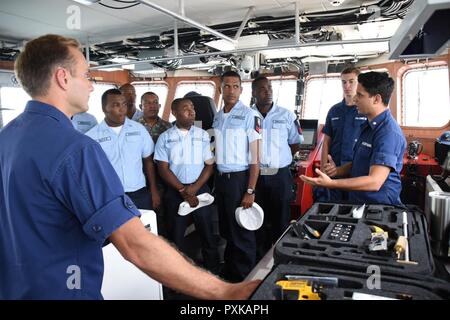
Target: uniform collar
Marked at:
344, 106
272, 109
105, 126
48, 110
142, 120
176, 130
378, 119
237, 106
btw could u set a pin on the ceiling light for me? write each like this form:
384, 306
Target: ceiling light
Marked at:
119, 60
87, 2
336, 3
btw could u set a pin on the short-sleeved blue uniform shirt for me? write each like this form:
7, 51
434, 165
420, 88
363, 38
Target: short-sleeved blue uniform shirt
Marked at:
233, 133
186, 155
343, 126
125, 151
84, 121
278, 132
60, 199
381, 143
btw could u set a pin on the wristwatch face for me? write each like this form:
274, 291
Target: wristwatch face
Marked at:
250, 191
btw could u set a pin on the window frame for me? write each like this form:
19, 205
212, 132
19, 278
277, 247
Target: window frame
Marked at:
400, 92
271, 78
186, 82
336, 76
149, 83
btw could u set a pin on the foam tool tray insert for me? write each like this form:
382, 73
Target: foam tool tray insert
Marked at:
328, 235
320, 283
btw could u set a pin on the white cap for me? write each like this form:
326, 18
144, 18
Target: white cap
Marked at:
204, 199
251, 218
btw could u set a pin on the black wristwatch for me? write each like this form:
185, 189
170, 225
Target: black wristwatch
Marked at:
251, 191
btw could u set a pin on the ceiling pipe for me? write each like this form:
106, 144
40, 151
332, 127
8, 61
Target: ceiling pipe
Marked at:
175, 38
245, 50
175, 28
297, 22
87, 51
181, 6
187, 20
244, 22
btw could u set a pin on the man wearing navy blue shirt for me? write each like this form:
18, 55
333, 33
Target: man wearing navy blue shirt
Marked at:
342, 129
60, 198
374, 173
280, 140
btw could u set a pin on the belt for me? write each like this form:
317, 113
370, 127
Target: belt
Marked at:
231, 174
266, 171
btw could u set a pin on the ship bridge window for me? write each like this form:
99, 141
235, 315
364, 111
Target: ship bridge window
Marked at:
14, 99
12, 103
95, 100
321, 93
204, 88
283, 92
425, 97
160, 88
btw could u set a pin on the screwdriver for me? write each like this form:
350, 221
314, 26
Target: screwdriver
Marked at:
400, 246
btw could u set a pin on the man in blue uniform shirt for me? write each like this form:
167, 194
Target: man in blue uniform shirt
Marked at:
378, 154
342, 129
237, 131
84, 121
60, 198
280, 140
185, 162
128, 146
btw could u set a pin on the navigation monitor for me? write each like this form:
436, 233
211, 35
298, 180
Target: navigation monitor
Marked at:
309, 129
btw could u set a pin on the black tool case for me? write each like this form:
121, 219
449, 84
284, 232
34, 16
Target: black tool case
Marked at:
327, 246
351, 282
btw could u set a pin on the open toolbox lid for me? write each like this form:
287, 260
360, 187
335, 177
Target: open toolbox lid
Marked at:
328, 235
297, 282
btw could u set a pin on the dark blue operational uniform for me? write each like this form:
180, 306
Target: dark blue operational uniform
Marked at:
274, 187
343, 126
234, 131
381, 143
60, 199
186, 156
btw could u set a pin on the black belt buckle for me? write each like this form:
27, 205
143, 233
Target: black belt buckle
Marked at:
224, 174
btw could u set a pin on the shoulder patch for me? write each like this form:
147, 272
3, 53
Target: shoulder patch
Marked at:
257, 124
299, 127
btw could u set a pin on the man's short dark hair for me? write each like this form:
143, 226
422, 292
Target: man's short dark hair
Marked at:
107, 93
351, 69
230, 73
377, 83
147, 94
177, 102
258, 79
